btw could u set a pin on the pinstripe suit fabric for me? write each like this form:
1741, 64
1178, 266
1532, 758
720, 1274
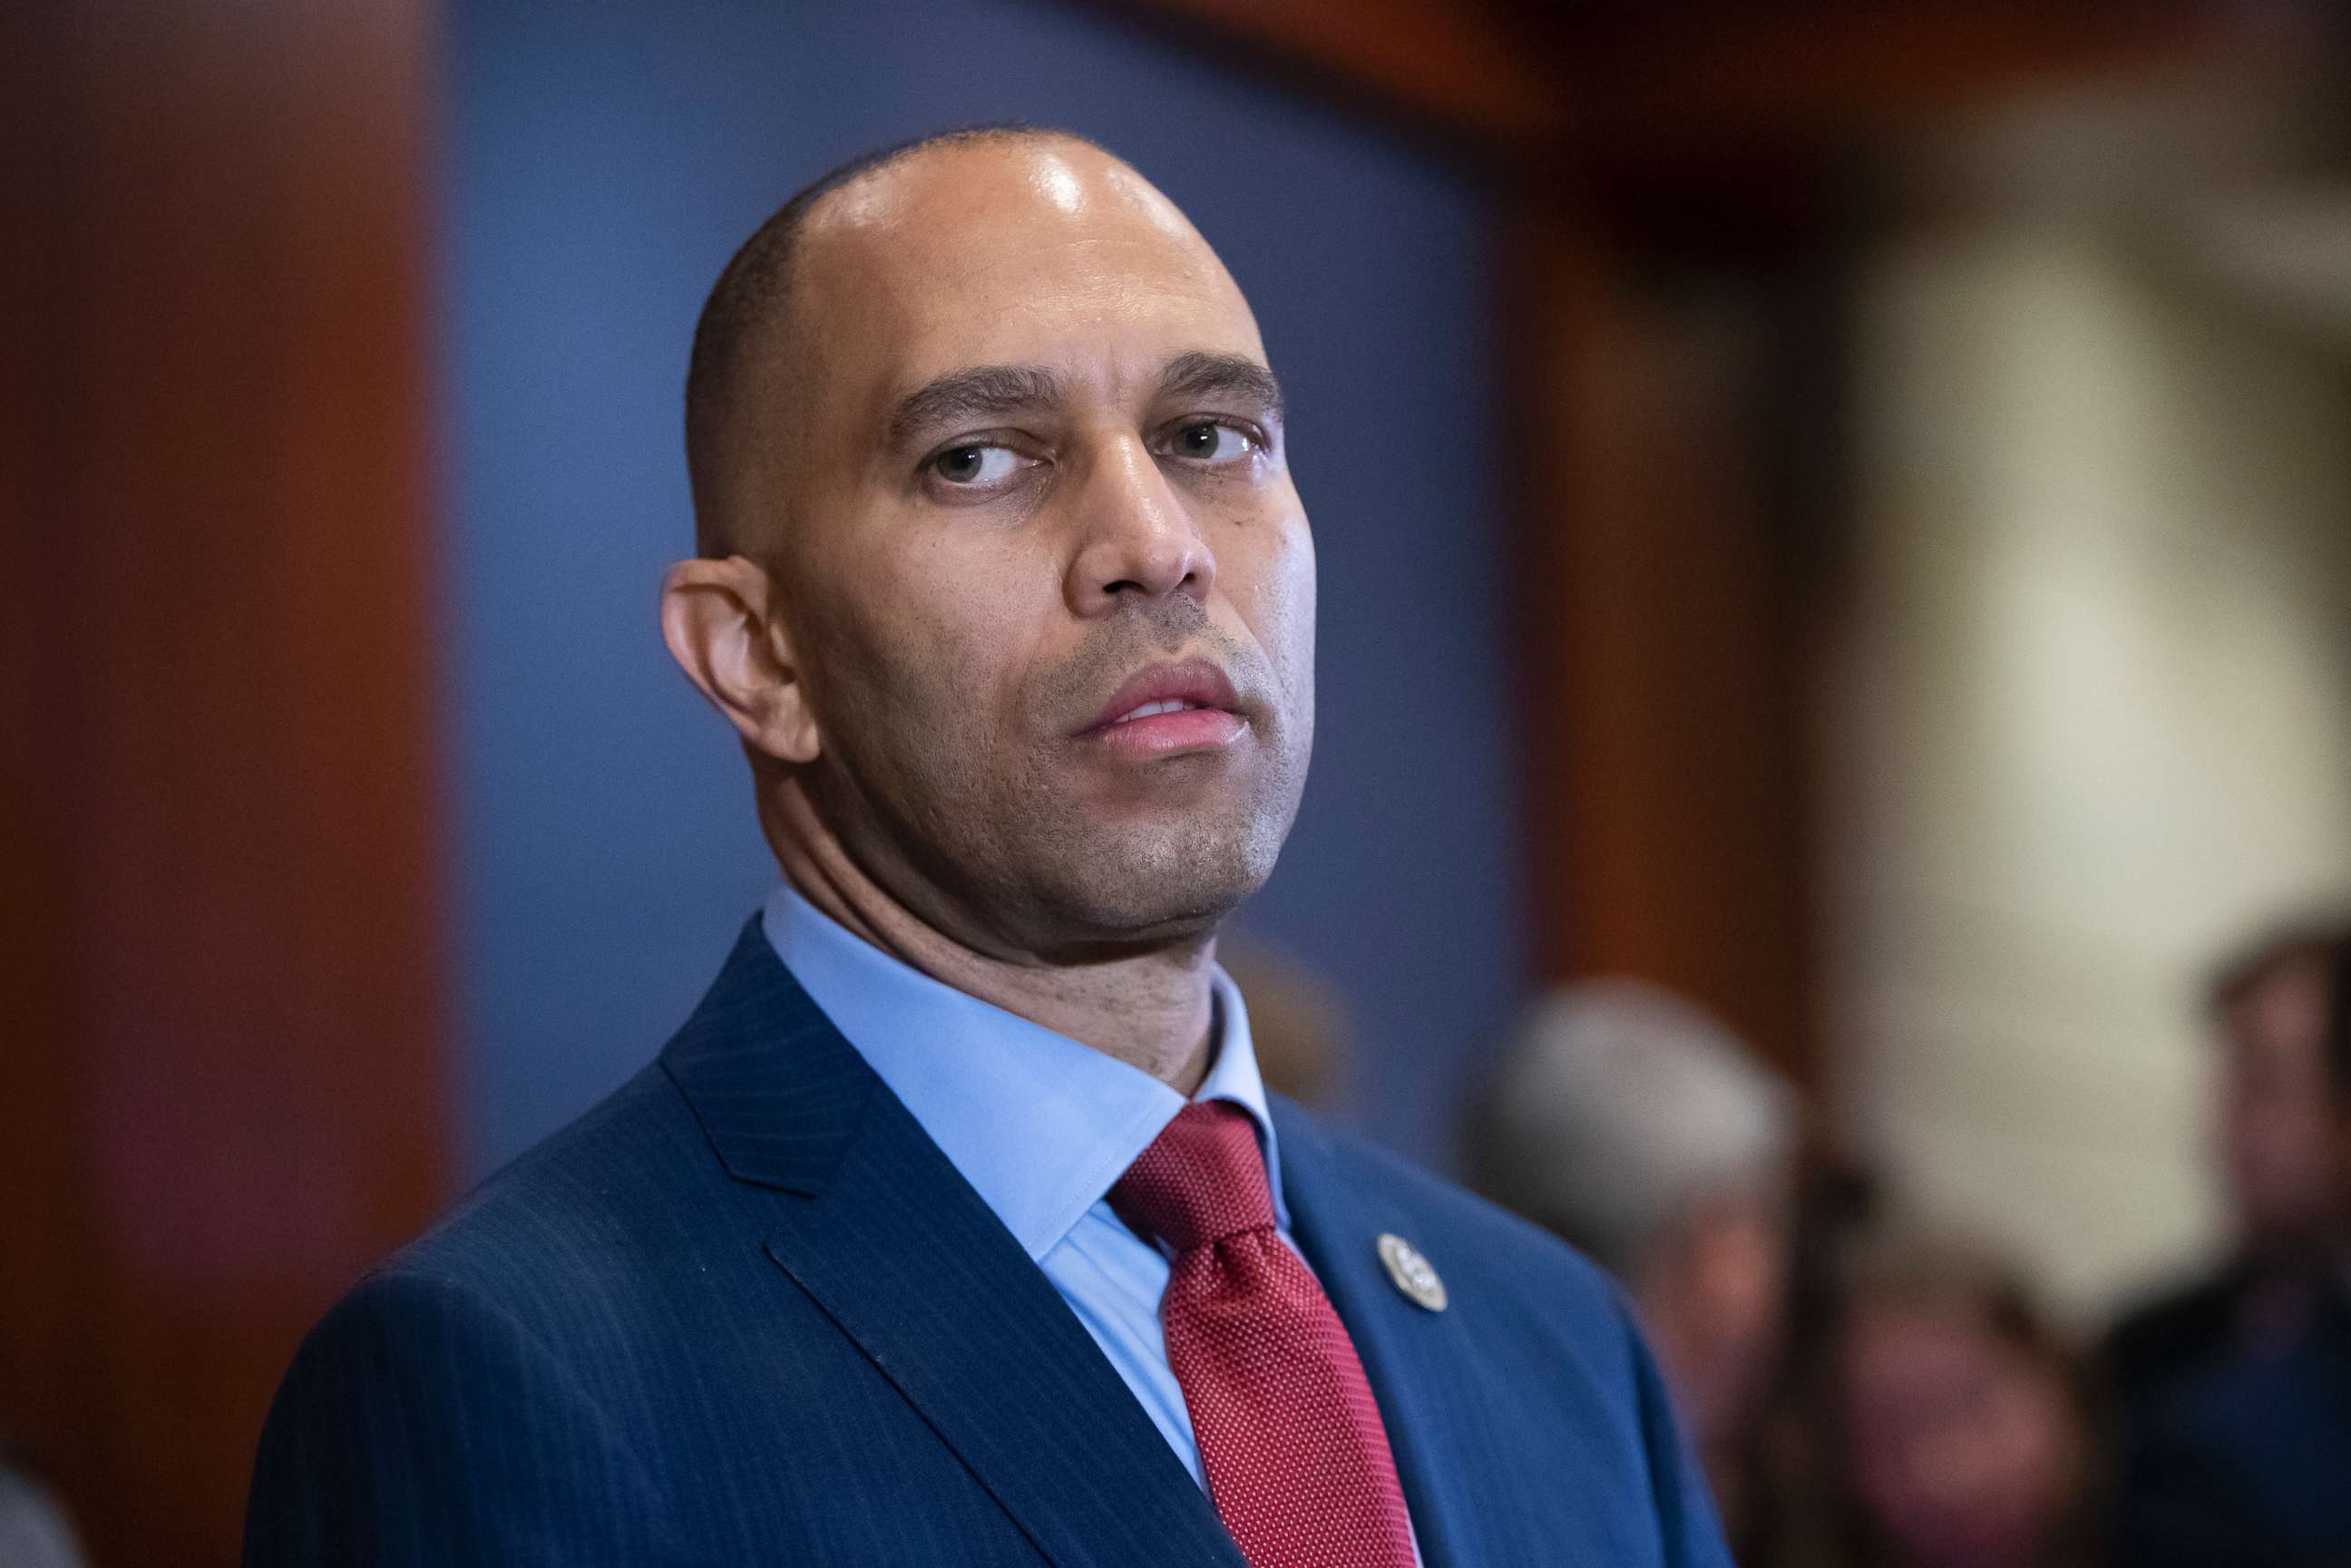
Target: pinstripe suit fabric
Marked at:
744, 1311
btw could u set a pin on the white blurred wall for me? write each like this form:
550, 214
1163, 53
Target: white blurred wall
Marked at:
2087, 715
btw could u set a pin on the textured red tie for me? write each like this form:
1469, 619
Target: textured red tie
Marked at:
1289, 1439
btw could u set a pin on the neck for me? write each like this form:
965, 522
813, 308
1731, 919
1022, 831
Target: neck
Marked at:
1150, 1006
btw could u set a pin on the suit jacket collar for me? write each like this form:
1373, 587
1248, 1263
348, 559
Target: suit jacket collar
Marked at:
887, 1238
1425, 1367
894, 1246
776, 1090
1039, 1124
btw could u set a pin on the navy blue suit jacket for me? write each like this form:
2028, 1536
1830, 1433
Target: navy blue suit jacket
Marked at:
746, 1312
2234, 1447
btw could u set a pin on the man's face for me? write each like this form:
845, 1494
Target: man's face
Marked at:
1045, 575
2277, 1130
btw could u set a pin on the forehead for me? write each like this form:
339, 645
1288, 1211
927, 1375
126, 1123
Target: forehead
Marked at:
1027, 250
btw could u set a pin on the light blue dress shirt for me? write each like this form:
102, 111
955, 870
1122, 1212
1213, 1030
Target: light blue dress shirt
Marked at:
1041, 1125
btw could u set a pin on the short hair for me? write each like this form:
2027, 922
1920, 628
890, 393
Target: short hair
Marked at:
2310, 943
749, 309
1618, 1109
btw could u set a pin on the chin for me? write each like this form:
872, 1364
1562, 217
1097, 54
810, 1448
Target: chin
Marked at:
1164, 882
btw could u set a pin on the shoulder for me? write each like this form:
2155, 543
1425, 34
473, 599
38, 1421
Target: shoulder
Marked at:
524, 1298
426, 1419
1561, 1379
579, 1223
1468, 1237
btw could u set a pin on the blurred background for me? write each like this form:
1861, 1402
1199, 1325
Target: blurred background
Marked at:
1841, 513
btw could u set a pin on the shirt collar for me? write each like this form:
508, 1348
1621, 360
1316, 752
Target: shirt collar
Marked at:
1039, 1124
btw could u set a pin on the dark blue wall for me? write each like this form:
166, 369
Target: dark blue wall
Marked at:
602, 159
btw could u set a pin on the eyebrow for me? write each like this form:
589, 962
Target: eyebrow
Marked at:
992, 391
983, 391
1222, 375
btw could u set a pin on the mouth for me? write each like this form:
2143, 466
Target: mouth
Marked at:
1169, 708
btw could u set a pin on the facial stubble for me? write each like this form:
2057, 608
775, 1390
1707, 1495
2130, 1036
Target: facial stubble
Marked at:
1013, 830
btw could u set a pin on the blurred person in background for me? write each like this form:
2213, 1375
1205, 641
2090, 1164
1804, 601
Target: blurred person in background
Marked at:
2274, 1141
1950, 1429
34, 1531
2231, 1396
1632, 1125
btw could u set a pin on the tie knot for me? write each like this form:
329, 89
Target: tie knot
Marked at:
1201, 1180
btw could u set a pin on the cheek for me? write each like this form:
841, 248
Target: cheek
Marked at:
1268, 574
934, 634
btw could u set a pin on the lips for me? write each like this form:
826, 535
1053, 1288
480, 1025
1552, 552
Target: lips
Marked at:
1195, 684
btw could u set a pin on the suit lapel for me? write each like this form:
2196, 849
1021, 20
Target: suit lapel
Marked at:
886, 1237
1421, 1365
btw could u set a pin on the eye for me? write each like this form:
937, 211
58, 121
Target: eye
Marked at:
977, 465
1207, 441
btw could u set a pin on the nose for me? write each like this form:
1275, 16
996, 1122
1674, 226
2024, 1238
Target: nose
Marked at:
1137, 541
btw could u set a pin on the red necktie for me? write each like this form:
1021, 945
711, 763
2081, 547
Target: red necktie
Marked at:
1291, 1443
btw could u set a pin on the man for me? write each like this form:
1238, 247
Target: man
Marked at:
956, 1226
1630, 1123
2233, 1395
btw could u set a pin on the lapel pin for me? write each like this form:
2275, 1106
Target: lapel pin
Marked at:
1410, 1273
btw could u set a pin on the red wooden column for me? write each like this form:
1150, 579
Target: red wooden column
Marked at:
220, 990
1659, 615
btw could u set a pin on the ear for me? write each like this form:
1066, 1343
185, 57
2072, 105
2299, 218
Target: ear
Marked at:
722, 621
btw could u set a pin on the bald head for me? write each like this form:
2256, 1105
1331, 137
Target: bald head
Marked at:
748, 319
1002, 576
754, 373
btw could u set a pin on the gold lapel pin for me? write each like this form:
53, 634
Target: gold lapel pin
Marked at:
1410, 1273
